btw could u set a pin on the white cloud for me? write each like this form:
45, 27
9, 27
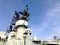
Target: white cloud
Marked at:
51, 19
50, 25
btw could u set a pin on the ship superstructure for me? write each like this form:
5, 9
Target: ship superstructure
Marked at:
19, 32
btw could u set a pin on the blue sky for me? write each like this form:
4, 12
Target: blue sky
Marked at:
44, 16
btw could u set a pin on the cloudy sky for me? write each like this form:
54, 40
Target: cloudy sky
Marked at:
44, 16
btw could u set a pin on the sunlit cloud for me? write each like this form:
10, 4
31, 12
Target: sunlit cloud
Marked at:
51, 22
50, 26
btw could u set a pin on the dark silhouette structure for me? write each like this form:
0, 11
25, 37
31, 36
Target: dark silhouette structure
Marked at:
17, 16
